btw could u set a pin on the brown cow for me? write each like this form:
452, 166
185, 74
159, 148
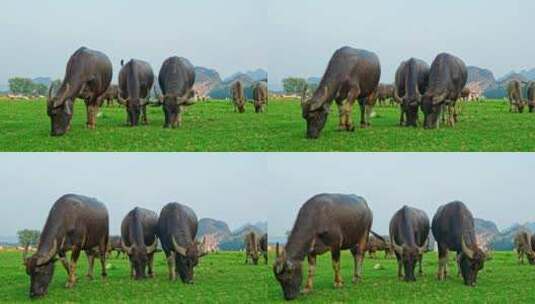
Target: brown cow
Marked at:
251, 247
238, 97
514, 93
523, 247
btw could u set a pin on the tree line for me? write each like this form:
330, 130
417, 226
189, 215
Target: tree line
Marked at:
26, 86
296, 85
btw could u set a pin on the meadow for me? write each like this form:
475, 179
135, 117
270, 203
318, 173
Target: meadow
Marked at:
219, 278
213, 126
502, 280
223, 278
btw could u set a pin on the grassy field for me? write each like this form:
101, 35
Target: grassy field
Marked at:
223, 278
219, 278
501, 281
213, 126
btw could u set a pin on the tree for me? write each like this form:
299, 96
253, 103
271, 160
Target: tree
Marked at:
293, 85
19, 85
28, 237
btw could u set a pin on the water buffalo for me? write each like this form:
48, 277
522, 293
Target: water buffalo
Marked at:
412, 79
351, 74
453, 229
139, 241
112, 93
531, 96
385, 92
378, 243
87, 71
176, 79
115, 245
447, 79
466, 93
514, 93
524, 246
177, 228
263, 245
326, 222
74, 223
260, 96
238, 97
409, 231
251, 247
135, 82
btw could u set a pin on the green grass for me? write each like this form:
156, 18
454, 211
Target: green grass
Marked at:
219, 278
213, 126
223, 278
501, 281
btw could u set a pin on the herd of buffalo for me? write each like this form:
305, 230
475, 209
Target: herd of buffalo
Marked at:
351, 75
88, 76
79, 223
335, 222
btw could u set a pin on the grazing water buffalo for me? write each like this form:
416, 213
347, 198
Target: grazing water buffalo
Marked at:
385, 92
465, 94
251, 247
531, 96
453, 229
524, 246
409, 231
177, 228
112, 93
412, 79
264, 247
115, 245
238, 97
378, 243
74, 223
260, 96
87, 71
139, 241
135, 82
326, 222
351, 74
176, 80
447, 79
514, 93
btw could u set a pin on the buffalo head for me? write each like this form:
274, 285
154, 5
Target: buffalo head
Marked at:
289, 274
471, 261
40, 268
432, 107
139, 257
59, 109
172, 106
315, 113
186, 259
133, 109
409, 257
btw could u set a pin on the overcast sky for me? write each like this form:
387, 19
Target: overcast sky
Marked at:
493, 34
38, 36
251, 187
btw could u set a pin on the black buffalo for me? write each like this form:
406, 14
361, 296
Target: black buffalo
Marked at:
514, 93
139, 240
531, 96
177, 228
238, 97
115, 245
351, 74
412, 78
112, 93
252, 247
326, 222
75, 223
135, 82
453, 229
409, 231
447, 78
88, 74
523, 246
264, 247
260, 96
176, 79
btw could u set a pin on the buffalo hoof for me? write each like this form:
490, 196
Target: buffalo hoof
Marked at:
69, 284
338, 284
356, 280
307, 290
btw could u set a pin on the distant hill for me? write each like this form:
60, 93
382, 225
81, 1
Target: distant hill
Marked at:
219, 229
235, 241
527, 74
226, 239
256, 75
205, 80
222, 90
483, 77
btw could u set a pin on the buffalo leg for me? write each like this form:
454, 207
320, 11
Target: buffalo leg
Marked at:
171, 263
64, 262
400, 266
90, 263
246, 256
72, 271
341, 113
310, 278
151, 265
442, 263
144, 114
401, 116
335, 256
362, 106
102, 250
358, 257
420, 258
